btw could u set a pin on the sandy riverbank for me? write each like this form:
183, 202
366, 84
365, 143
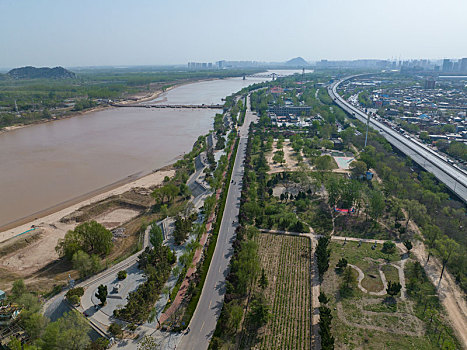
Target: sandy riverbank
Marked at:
51, 217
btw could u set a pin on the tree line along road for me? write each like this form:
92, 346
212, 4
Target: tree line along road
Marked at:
209, 306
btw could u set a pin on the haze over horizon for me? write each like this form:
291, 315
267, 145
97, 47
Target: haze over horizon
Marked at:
105, 33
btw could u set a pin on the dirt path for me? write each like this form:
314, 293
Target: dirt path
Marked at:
451, 296
449, 293
315, 290
360, 277
400, 269
385, 283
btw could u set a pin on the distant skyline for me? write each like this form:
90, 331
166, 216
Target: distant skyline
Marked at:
162, 32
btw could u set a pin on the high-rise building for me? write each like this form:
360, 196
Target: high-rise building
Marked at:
430, 83
447, 65
463, 65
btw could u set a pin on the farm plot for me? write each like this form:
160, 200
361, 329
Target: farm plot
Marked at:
287, 264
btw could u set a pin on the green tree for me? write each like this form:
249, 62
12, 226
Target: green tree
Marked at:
69, 245
322, 255
389, 247
232, 313
349, 278
95, 237
99, 344
69, 332
102, 294
415, 210
259, 311
324, 162
155, 235
347, 135
376, 204
121, 275
115, 329
184, 190
424, 136
89, 237
446, 247
333, 186
341, 264
358, 168
171, 190
432, 233
327, 340
393, 288
323, 298
408, 245
14, 344
34, 324
18, 289
74, 295
263, 280
278, 157
85, 264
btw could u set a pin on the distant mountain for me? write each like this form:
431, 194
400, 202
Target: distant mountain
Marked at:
296, 62
40, 73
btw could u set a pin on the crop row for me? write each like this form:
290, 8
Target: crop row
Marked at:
286, 261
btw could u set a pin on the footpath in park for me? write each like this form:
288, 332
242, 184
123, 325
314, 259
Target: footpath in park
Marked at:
196, 258
452, 298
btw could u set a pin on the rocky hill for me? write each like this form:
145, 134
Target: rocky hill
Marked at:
297, 62
41, 73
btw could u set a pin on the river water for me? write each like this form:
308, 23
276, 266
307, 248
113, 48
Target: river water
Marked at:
47, 164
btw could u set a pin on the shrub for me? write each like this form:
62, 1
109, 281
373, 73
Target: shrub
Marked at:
74, 295
122, 274
99, 344
74, 299
389, 247
115, 329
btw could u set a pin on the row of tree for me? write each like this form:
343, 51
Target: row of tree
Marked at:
156, 263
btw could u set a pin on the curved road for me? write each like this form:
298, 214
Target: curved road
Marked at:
209, 307
454, 179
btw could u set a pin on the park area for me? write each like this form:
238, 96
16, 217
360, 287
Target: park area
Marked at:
366, 317
287, 262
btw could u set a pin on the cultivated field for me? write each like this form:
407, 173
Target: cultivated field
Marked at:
287, 263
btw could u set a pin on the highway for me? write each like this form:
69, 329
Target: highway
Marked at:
209, 307
454, 179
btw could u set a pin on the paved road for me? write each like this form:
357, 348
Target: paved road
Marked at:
209, 307
453, 178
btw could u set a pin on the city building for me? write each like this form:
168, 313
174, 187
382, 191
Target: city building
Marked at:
447, 65
289, 110
430, 83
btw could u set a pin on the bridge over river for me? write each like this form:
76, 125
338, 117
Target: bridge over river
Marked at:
202, 106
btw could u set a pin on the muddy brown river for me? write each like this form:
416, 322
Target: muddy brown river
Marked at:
44, 165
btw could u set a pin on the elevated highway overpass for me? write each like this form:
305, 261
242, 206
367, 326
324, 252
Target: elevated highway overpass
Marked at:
455, 179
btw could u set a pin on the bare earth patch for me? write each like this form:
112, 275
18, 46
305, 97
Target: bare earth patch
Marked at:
116, 217
35, 256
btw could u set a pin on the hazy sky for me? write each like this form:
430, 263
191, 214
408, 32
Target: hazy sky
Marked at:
143, 32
